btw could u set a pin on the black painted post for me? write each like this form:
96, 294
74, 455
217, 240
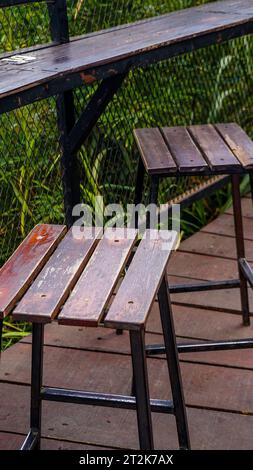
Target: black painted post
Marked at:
66, 117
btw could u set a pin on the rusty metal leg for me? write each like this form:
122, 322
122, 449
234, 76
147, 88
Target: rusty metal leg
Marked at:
140, 374
36, 381
1, 334
173, 366
251, 184
153, 195
240, 247
139, 182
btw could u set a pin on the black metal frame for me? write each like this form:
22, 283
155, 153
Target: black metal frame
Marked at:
141, 402
244, 269
73, 132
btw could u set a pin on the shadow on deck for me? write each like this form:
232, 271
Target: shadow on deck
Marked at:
218, 385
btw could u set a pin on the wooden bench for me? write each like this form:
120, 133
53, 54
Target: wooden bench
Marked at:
109, 52
57, 68
80, 281
201, 150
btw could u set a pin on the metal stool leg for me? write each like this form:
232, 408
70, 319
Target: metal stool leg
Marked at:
251, 184
140, 374
139, 182
173, 365
240, 247
153, 195
1, 334
36, 381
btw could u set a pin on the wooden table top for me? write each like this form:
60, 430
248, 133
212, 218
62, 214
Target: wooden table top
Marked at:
83, 55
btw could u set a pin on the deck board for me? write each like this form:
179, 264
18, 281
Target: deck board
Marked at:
217, 420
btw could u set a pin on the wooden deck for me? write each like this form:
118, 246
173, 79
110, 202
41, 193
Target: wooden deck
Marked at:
218, 385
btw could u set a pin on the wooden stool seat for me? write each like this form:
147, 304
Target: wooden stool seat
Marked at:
76, 283
55, 275
192, 150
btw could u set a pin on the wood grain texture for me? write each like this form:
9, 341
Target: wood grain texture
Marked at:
183, 149
72, 425
211, 391
215, 245
137, 292
109, 47
217, 153
239, 143
86, 304
22, 267
43, 300
154, 152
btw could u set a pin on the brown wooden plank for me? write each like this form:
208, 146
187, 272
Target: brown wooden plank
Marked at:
198, 266
135, 297
192, 323
239, 143
209, 430
183, 149
43, 300
224, 225
92, 292
215, 245
155, 154
127, 41
217, 153
12, 441
25, 263
247, 208
204, 385
225, 300
202, 324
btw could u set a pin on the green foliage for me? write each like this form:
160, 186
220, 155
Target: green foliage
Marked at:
209, 85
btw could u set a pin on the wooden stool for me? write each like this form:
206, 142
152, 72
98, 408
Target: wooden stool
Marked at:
53, 275
195, 151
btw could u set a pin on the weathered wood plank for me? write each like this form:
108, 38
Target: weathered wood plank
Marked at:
92, 292
217, 153
156, 156
198, 266
204, 385
43, 300
239, 143
125, 42
183, 149
247, 208
225, 300
215, 245
12, 441
201, 324
208, 429
224, 225
22, 267
137, 292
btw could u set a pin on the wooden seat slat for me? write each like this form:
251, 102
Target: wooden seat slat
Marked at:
43, 300
156, 156
239, 143
134, 299
22, 267
217, 153
86, 304
184, 151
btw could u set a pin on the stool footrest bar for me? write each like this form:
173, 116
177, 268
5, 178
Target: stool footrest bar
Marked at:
153, 350
246, 270
204, 286
30, 440
102, 399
